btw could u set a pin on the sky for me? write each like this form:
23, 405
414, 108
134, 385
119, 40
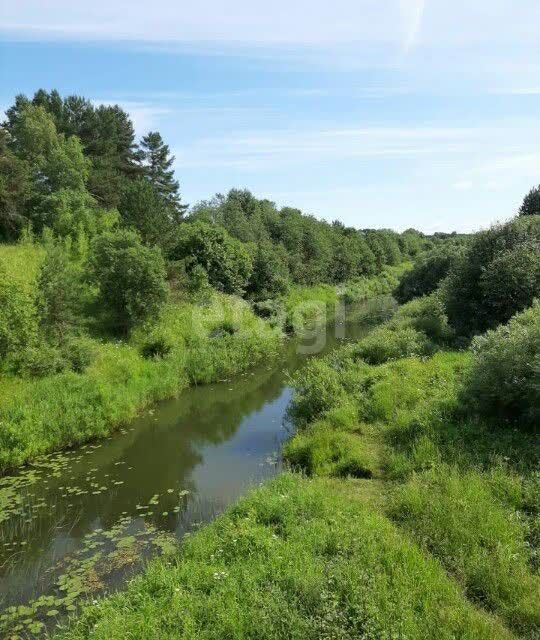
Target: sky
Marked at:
380, 113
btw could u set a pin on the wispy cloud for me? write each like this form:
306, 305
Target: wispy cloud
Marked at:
253, 150
412, 12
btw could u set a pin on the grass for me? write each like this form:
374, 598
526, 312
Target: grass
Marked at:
298, 559
467, 492
46, 414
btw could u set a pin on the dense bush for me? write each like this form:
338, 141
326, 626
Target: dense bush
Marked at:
426, 314
427, 273
504, 381
392, 342
131, 278
497, 276
39, 359
270, 275
225, 259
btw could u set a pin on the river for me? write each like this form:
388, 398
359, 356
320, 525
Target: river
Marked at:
82, 521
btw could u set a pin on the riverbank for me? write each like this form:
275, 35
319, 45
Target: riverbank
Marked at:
190, 344
407, 516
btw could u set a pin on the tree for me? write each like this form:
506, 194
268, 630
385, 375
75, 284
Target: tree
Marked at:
270, 275
131, 278
106, 133
60, 293
15, 191
225, 259
143, 209
428, 272
496, 277
531, 203
157, 162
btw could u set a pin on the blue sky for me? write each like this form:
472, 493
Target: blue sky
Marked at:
388, 113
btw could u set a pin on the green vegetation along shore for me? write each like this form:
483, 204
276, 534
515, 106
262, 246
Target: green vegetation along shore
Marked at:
412, 507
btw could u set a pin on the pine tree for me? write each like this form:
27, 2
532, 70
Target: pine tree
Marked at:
157, 163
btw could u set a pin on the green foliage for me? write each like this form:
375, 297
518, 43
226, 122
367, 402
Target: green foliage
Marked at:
466, 493
69, 212
270, 276
531, 203
18, 317
428, 272
106, 133
391, 343
504, 379
315, 251
38, 359
325, 451
145, 210
15, 191
225, 260
426, 314
295, 559
157, 163
456, 517
79, 352
59, 293
497, 276
131, 278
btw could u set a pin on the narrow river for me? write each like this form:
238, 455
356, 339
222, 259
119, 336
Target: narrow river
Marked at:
77, 523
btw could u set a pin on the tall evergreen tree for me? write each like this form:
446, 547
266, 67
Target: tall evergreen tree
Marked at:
157, 162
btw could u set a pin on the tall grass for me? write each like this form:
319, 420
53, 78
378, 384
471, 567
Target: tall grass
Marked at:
297, 559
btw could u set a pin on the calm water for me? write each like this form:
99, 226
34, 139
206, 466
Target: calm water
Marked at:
82, 521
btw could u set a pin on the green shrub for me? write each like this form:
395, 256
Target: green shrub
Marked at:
318, 387
390, 343
131, 278
427, 273
60, 293
324, 451
40, 360
156, 347
225, 259
79, 352
426, 314
504, 378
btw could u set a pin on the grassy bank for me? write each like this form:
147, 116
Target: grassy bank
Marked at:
189, 344
408, 516
299, 559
